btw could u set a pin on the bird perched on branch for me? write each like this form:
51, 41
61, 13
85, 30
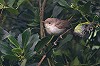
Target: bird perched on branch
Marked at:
56, 26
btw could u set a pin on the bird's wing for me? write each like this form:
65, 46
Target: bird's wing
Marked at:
62, 24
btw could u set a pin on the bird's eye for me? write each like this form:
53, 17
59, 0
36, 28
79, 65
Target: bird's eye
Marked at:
49, 23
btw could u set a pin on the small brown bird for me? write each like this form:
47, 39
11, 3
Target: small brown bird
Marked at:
56, 26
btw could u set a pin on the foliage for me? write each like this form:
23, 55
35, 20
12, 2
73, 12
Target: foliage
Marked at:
20, 43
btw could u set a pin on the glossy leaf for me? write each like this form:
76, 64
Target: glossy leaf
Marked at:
5, 49
20, 2
34, 39
66, 39
42, 43
56, 11
19, 38
10, 3
13, 41
63, 3
29, 50
17, 50
25, 37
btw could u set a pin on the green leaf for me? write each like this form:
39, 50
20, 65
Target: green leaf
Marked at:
17, 50
30, 54
19, 2
58, 52
2, 1
42, 43
2, 6
25, 37
80, 28
33, 24
24, 62
11, 57
75, 1
66, 39
34, 39
85, 8
95, 47
12, 11
3, 34
29, 50
5, 49
63, 3
10, 3
56, 11
76, 61
13, 41
95, 33
19, 38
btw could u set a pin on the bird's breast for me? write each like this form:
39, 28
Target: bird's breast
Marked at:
54, 30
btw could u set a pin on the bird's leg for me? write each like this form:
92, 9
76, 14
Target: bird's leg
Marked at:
64, 33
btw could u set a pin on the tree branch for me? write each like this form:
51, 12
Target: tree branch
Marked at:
42, 6
55, 43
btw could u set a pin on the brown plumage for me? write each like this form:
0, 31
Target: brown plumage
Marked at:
55, 26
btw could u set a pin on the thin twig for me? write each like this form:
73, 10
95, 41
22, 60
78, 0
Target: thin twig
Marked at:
55, 43
46, 53
41, 60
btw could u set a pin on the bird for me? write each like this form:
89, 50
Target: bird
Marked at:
55, 26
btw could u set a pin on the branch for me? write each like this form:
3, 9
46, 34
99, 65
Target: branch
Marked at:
44, 56
55, 43
41, 60
42, 6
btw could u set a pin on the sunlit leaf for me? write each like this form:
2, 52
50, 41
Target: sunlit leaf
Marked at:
95, 33
2, 6
79, 29
2, 1
17, 50
95, 47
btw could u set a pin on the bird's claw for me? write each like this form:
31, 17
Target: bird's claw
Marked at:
61, 36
